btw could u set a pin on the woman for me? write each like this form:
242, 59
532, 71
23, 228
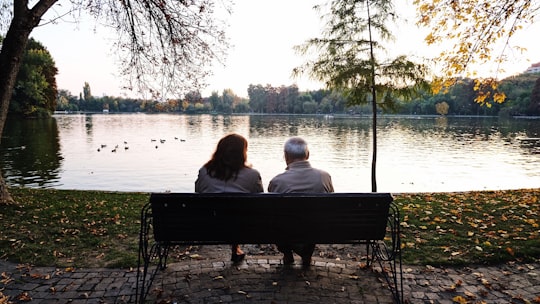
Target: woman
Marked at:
228, 171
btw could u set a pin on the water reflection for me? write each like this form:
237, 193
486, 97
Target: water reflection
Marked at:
30, 152
160, 152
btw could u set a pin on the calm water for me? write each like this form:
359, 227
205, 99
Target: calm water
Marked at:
163, 152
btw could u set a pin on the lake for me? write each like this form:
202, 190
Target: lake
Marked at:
163, 152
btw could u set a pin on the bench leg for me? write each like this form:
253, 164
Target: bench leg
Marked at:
370, 252
147, 254
391, 269
145, 276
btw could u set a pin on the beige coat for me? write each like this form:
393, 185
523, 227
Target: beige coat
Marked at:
301, 177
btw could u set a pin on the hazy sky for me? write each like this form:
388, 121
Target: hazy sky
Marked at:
262, 35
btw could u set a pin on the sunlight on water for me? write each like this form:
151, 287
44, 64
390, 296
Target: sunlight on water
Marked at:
141, 152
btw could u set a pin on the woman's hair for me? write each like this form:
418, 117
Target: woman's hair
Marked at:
230, 156
296, 148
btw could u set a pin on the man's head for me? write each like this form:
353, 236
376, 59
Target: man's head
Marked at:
295, 149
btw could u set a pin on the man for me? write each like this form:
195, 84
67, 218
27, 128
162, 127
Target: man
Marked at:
300, 177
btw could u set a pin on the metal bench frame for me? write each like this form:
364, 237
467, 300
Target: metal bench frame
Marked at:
171, 219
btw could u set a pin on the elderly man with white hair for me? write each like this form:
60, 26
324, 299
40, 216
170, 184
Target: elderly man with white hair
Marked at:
299, 177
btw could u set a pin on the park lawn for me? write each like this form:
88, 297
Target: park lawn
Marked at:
486, 227
68, 228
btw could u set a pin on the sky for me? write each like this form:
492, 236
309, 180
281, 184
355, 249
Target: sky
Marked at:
262, 36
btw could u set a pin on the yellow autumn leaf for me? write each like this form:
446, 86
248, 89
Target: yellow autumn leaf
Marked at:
459, 299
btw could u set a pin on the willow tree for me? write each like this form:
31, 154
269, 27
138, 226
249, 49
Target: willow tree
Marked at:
164, 46
475, 33
351, 58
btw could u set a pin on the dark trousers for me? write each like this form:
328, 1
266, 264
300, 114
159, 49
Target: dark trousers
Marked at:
303, 250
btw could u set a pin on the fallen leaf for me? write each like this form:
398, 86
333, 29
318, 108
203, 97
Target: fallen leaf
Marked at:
5, 279
510, 251
4, 299
470, 295
25, 297
459, 299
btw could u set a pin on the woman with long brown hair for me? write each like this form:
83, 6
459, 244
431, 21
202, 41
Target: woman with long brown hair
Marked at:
228, 171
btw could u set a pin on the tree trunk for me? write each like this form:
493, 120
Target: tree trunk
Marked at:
23, 22
374, 106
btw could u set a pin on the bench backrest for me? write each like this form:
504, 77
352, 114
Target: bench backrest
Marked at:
224, 218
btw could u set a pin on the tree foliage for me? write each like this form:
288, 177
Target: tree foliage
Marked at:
351, 54
442, 108
270, 99
87, 92
534, 105
518, 90
35, 89
479, 32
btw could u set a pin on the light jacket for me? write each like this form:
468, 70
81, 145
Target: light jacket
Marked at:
299, 176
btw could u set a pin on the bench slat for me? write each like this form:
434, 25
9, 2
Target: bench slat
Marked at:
269, 218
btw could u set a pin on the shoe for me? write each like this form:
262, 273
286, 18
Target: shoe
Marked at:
306, 261
236, 258
288, 258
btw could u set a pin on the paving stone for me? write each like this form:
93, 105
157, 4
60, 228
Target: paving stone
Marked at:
266, 280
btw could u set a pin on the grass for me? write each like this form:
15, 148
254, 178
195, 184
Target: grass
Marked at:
69, 228
487, 227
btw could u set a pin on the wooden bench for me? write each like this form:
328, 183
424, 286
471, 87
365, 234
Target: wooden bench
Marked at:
171, 219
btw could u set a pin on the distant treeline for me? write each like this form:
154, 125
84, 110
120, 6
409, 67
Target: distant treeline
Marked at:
522, 91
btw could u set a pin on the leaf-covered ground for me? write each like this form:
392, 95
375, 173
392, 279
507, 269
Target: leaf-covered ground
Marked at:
71, 228
100, 229
485, 227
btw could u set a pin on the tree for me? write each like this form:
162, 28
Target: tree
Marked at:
87, 92
227, 99
534, 105
442, 108
166, 46
193, 97
257, 98
35, 89
518, 90
350, 59
214, 100
479, 31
